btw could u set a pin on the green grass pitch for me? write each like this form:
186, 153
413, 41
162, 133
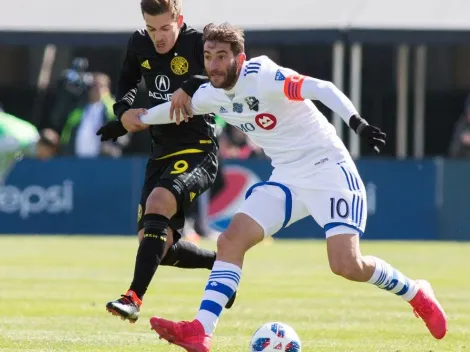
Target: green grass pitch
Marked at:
53, 292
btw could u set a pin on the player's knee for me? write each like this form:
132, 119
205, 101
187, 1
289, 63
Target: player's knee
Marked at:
161, 201
229, 248
226, 242
347, 266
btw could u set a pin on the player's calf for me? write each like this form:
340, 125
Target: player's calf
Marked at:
149, 255
150, 252
224, 279
187, 255
242, 234
346, 260
159, 208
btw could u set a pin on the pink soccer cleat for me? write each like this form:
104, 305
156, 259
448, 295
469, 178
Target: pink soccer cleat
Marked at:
426, 306
187, 334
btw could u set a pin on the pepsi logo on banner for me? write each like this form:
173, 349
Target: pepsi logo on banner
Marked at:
223, 207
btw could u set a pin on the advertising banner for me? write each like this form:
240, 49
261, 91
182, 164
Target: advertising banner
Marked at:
405, 199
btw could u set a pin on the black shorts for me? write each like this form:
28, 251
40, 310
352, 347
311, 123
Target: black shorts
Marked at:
187, 176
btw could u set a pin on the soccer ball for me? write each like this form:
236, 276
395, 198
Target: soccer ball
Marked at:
275, 337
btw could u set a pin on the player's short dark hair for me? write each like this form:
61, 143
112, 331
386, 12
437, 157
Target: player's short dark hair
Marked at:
159, 7
226, 33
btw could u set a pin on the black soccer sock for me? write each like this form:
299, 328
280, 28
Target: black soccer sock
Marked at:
150, 252
189, 256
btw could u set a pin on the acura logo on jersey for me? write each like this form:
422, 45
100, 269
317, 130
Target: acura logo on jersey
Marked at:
160, 96
266, 121
162, 83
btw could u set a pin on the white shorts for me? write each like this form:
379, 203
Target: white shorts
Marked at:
336, 200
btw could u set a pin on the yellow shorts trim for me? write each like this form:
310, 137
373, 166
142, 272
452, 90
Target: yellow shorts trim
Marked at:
181, 152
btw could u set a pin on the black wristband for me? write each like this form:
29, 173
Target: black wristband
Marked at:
120, 108
355, 122
193, 83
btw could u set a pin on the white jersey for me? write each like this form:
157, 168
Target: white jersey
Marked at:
313, 171
266, 104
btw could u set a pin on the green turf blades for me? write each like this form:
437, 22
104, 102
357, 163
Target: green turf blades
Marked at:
53, 291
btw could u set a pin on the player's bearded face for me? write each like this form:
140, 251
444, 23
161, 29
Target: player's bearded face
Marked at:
225, 79
221, 65
163, 30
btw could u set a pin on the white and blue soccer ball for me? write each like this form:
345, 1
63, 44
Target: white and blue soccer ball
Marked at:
275, 337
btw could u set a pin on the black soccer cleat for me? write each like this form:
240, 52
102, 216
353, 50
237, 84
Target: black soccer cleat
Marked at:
127, 307
231, 301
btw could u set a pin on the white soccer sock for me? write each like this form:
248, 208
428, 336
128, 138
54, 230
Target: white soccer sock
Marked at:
222, 284
388, 278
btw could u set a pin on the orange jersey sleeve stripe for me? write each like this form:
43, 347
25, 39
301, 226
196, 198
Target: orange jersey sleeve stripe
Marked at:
293, 87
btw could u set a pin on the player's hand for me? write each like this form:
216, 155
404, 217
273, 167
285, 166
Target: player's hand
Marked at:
112, 130
131, 122
180, 106
374, 137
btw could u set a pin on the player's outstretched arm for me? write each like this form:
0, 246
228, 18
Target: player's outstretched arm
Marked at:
158, 115
298, 87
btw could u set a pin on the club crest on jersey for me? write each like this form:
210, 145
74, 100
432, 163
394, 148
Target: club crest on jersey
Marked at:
179, 65
279, 76
223, 110
252, 103
237, 107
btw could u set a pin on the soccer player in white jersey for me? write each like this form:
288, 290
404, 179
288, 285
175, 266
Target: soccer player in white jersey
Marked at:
313, 175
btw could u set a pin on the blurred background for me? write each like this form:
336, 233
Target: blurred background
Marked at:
405, 65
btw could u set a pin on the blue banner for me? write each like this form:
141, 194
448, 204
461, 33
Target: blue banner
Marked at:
406, 199
401, 199
454, 200
71, 196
